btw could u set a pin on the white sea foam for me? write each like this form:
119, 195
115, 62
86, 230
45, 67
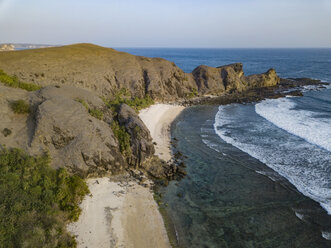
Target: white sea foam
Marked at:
305, 124
305, 165
326, 235
300, 216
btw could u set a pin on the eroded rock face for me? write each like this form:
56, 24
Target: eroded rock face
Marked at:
105, 71
59, 123
270, 78
141, 141
74, 138
219, 80
75, 77
231, 78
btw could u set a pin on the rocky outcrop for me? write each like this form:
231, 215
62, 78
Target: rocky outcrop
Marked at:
231, 78
69, 120
73, 137
141, 141
60, 123
218, 80
267, 79
105, 71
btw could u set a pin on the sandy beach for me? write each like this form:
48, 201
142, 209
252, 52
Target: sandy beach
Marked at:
158, 119
123, 213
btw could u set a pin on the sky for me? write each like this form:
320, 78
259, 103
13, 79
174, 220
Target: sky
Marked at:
168, 23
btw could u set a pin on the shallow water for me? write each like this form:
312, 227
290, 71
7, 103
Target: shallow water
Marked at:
251, 167
290, 135
230, 199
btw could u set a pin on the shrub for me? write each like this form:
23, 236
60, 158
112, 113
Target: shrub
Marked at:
85, 104
97, 113
36, 201
123, 137
20, 107
13, 81
124, 96
193, 93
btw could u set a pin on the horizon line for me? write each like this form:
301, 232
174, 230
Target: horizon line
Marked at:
161, 47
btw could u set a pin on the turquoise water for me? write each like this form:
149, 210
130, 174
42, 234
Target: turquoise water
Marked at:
259, 174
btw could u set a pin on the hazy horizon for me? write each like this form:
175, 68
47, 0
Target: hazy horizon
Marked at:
171, 24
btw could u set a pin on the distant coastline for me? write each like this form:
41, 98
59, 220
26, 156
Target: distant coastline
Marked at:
21, 46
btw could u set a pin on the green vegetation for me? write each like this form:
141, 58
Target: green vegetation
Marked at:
193, 93
13, 81
36, 201
97, 113
123, 137
20, 107
85, 104
124, 96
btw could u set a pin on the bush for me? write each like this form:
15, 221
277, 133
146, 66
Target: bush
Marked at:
124, 96
123, 137
20, 107
96, 113
13, 81
36, 201
85, 104
193, 93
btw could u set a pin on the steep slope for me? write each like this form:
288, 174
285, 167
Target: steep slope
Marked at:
102, 70
61, 121
105, 71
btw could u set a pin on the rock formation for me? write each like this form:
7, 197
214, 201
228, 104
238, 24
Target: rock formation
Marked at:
141, 141
105, 71
62, 119
60, 124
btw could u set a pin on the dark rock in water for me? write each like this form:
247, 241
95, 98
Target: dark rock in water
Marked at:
295, 93
296, 82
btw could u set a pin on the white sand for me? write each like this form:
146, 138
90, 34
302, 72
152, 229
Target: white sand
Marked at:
119, 215
158, 119
125, 214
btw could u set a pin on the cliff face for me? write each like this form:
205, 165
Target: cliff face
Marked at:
105, 71
60, 122
70, 121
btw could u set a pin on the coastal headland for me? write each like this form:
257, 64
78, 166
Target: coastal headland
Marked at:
105, 115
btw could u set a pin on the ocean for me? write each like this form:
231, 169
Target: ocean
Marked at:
258, 174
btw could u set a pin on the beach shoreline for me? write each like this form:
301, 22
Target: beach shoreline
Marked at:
121, 212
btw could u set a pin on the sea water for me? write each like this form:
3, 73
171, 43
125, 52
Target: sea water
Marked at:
258, 174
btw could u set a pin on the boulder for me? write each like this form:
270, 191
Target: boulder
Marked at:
270, 78
142, 146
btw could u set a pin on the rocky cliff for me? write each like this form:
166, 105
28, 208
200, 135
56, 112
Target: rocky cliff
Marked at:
59, 122
105, 71
68, 119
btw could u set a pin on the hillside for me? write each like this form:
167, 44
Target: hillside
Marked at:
105, 71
